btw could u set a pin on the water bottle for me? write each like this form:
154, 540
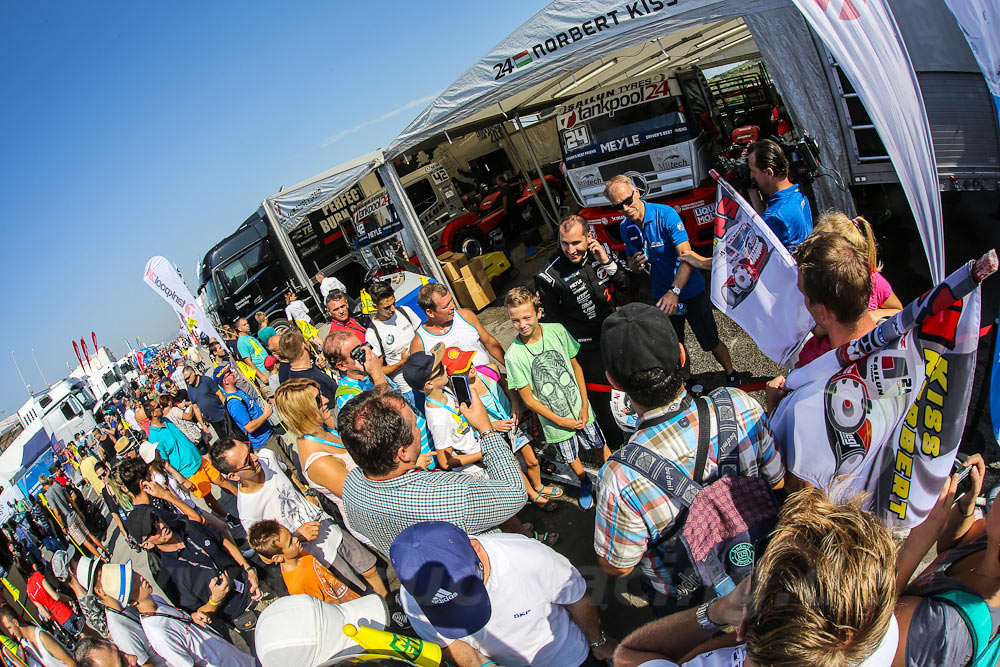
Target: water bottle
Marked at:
681, 308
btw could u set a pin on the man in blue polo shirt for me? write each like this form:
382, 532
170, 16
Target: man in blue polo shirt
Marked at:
250, 417
655, 237
787, 212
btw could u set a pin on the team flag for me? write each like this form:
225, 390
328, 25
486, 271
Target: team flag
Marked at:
893, 403
754, 278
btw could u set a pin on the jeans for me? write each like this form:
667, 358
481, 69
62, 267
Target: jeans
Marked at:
73, 624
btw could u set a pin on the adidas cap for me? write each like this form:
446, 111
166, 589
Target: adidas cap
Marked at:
438, 567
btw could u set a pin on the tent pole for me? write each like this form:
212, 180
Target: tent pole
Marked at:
297, 269
425, 253
538, 169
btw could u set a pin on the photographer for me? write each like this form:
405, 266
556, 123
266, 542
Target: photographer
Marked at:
787, 211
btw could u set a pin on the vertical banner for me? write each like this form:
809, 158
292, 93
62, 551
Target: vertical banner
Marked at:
754, 278
893, 404
980, 23
864, 38
163, 278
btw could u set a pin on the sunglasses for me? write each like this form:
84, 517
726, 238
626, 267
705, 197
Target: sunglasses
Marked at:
247, 465
319, 402
625, 202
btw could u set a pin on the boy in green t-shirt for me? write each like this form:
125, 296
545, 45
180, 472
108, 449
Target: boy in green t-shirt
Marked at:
541, 365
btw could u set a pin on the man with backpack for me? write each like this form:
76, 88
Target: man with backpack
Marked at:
690, 462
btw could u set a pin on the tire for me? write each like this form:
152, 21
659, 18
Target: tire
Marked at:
279, 324
470, 244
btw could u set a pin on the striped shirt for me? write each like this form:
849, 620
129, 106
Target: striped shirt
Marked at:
632, 511
381, 509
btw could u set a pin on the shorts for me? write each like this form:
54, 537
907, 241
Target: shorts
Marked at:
699, 316
73, 624
353, 559
590, 437
75, 529
203, 478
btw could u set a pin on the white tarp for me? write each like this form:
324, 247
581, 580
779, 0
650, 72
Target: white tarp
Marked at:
980, 23
568, 34
164, 279
290, 207
866, 42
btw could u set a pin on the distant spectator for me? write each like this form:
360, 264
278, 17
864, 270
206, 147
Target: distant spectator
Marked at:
328, 284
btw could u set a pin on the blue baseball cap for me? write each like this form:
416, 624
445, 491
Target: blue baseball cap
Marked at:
438, 567
220, 372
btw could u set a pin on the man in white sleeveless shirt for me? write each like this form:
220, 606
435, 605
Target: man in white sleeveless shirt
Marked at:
455, 327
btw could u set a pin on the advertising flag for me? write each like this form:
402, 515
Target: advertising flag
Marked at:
893, 404
754, 279
93, 337
862, 35
86, 355
76, 348
164, 279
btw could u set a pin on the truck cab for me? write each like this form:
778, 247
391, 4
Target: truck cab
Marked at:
661, 130
241, 275
64, 409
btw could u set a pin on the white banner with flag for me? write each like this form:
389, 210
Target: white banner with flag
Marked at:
980, 23
754, 278
164, 279
889, 424
864, 38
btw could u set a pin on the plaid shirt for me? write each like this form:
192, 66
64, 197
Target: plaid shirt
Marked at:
381, 509
632, 511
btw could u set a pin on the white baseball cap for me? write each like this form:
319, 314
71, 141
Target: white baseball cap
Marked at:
147, 451
304, 631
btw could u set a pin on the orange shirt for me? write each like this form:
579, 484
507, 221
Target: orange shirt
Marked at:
311, 577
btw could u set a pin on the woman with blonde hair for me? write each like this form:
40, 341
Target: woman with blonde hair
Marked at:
859, 232
325, 461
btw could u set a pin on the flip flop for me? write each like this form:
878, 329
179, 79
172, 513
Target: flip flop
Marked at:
547, 505
549, 538
555, 492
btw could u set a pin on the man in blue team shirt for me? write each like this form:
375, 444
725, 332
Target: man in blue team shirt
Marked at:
251, 418
787, 212
655, 237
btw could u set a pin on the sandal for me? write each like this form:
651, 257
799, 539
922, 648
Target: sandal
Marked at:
552, 491
549, 538
546, 505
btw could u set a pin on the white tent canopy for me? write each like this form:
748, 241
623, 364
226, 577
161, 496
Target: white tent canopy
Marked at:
574, 45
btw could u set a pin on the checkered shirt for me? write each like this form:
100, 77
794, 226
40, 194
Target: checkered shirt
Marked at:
632, 511
381, 509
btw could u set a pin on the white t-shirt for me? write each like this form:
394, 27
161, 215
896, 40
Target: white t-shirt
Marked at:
528, 585
736, 656
329, 284
129, 416
396, 332
127, 634
448, 428
297, 310
279, 500
182, 643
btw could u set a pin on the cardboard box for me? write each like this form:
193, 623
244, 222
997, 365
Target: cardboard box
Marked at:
474, 272
473, 295
452, 263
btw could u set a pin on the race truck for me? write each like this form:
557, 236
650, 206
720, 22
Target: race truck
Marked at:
662, 130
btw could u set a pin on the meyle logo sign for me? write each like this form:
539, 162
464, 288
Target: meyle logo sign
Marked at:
168, 293
607, 21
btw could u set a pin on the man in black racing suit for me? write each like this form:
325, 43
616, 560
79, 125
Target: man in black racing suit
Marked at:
577, 289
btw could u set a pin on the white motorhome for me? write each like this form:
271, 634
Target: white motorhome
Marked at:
64, 409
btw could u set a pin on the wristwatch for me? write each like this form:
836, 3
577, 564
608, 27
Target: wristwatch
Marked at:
676, 290
701, 615
600, 642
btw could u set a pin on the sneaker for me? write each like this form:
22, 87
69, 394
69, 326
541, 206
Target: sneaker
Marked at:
694, 387
733, 379
586, 494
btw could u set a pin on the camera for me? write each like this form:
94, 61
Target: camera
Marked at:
358, 353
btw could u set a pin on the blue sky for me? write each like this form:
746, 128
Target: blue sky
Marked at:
141, 128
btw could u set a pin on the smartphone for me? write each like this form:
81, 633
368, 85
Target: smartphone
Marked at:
964, 479
460, 385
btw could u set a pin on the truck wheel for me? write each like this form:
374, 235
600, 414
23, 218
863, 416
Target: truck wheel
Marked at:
279, 325
471, 244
